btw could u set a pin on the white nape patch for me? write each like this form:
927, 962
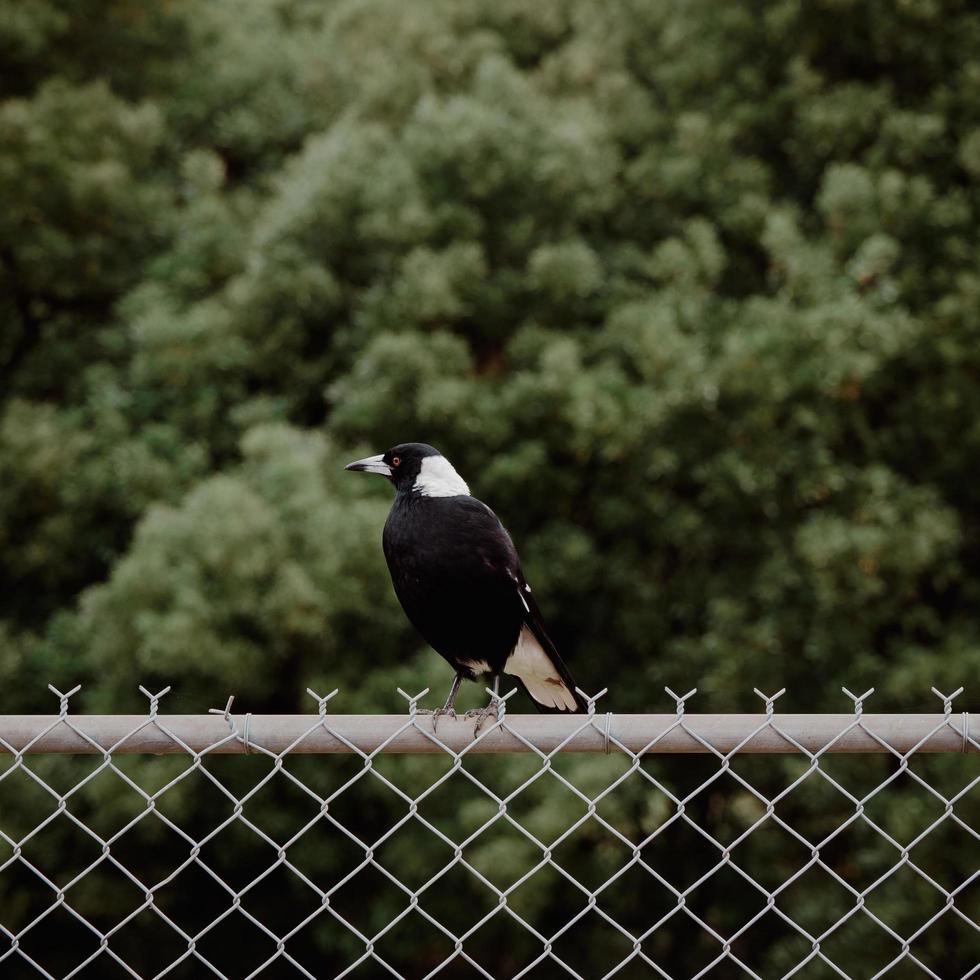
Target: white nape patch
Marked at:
437, 478
533, 666
477, 666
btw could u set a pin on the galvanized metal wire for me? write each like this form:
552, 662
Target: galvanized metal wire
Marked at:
199, 739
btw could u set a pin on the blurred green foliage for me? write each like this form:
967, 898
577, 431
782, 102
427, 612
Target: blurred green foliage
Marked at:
689, 293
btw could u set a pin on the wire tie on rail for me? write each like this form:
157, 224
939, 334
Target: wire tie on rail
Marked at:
245, 739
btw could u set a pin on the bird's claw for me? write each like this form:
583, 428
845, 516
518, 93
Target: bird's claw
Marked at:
437, 713
492, 710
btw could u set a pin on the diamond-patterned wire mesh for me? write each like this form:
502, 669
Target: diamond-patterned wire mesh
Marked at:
624, 863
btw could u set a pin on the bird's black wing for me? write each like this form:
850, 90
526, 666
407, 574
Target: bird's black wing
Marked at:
537, 663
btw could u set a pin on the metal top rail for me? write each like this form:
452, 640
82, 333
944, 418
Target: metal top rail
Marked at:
225, 733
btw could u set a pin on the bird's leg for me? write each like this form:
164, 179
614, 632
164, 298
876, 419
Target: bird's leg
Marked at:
491, 710
447, 708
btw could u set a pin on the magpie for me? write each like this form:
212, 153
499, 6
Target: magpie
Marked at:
456, 573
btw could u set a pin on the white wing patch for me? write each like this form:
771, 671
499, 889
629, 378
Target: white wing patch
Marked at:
437, 478
533, 666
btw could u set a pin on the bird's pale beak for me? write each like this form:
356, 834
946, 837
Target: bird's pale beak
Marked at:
370, 464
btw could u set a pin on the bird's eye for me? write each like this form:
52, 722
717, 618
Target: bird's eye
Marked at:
396, 461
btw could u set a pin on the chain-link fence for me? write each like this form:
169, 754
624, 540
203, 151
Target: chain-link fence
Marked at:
677, 845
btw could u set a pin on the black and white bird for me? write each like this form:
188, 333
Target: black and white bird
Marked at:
457, 575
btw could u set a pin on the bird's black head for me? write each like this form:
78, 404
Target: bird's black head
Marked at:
414, 467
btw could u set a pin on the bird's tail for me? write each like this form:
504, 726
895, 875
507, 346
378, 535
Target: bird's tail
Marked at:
548, 682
